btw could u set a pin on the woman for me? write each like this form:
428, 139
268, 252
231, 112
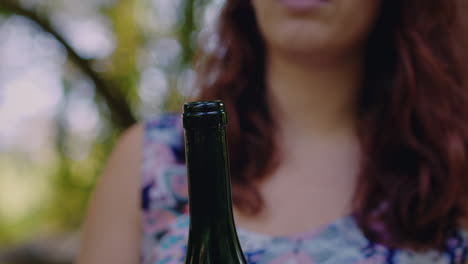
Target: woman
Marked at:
348, 134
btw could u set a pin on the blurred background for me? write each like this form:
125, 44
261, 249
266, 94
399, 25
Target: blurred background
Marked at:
73, 76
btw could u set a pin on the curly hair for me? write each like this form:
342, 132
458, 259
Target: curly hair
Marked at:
413, 117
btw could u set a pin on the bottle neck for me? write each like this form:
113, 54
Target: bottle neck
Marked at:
208, 180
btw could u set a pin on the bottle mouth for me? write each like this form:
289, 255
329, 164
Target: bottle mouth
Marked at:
204, 114
203, 106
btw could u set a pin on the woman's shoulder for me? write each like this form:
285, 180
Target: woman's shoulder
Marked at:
114, 206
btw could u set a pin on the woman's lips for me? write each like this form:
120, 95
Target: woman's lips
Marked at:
303, 4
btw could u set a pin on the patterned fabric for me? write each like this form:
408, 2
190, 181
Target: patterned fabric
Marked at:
166, 221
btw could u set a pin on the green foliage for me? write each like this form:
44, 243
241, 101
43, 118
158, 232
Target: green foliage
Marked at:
70, 181
122, 64
188, 28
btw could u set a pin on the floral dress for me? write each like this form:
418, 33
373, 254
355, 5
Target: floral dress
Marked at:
165, 219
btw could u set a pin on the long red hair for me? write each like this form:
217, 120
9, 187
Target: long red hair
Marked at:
413, 117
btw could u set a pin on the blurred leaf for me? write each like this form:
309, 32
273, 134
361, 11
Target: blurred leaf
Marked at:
174, 100
188, 28
122, 64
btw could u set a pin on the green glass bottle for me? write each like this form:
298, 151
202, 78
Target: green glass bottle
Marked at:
212, 236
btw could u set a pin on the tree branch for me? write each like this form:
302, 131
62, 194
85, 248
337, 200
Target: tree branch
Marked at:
119, 108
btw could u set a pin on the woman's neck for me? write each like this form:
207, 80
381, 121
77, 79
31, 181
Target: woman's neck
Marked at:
313, 99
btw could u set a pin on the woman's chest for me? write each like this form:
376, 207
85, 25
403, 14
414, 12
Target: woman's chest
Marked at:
338, 243
292, 198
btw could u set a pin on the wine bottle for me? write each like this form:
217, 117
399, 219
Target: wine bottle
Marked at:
212, 235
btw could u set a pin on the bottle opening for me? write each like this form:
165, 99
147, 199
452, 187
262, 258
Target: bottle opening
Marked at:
203, 107
204, 114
